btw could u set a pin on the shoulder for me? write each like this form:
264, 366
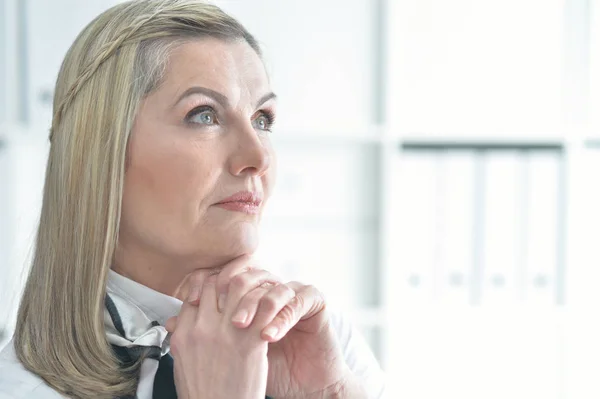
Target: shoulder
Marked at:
16, 382
358, 354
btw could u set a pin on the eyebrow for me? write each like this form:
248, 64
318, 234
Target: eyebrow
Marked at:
220, 98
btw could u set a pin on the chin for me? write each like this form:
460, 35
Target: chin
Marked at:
240, 239
246, 244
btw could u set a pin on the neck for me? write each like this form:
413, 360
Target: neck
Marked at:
165, 274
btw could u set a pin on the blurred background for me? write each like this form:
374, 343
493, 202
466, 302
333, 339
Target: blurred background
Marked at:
438, 177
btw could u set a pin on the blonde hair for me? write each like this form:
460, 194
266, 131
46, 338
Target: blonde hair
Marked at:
118, 59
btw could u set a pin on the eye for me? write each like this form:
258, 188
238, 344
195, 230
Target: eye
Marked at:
264, 121
202, 115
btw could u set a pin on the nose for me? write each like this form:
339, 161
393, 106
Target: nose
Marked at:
250, 156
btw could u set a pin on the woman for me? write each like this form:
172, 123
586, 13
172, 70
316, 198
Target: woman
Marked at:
142, 282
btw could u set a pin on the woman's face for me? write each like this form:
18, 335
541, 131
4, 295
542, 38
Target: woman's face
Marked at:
202, 136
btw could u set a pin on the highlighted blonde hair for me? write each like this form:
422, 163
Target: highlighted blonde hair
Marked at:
117, 60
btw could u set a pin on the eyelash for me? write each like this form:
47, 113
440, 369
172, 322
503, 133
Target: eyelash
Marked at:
196, 111
268, 114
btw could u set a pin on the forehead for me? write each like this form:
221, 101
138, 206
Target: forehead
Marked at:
230, 67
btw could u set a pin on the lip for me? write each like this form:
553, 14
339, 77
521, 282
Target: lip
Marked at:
243, 201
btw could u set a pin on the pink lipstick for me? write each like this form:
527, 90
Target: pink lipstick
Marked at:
243, 201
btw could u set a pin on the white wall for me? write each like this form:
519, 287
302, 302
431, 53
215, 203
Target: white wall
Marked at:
437, 255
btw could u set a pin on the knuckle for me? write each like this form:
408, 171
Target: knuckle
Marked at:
316, 293
287, 290
298, 301
269, 303
311, 291
267, 285
178, 342
222, 279
174, 344
211, 280
287, 314
239, 282
310, 288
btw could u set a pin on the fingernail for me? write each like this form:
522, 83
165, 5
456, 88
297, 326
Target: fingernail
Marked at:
271, 331
221, 302
240, 317
194, 293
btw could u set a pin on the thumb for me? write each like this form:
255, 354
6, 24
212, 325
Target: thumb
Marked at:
171, 324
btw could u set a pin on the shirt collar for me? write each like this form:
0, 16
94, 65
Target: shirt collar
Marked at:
156, 305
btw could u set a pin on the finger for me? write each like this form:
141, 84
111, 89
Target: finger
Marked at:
171, 324
241, 284
198, 276
260, 306
190, 303
207, 308
307, 303
187, 315
239, 265
195, 278
246, 308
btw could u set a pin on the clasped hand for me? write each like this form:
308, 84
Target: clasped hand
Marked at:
243, 333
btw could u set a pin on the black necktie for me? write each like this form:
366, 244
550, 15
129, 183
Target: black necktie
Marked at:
164, 385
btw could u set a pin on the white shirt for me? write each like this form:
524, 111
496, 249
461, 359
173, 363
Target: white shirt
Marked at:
17, 382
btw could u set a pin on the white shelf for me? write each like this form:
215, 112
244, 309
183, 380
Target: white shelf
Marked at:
370, 135
387, 136
340, 81
513, 138
593, 142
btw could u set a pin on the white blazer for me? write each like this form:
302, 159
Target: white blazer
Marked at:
18, 383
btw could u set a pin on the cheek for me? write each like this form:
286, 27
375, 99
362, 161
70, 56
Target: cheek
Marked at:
166, 185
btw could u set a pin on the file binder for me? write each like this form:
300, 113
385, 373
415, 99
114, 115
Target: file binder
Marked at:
502, 233
542, 231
